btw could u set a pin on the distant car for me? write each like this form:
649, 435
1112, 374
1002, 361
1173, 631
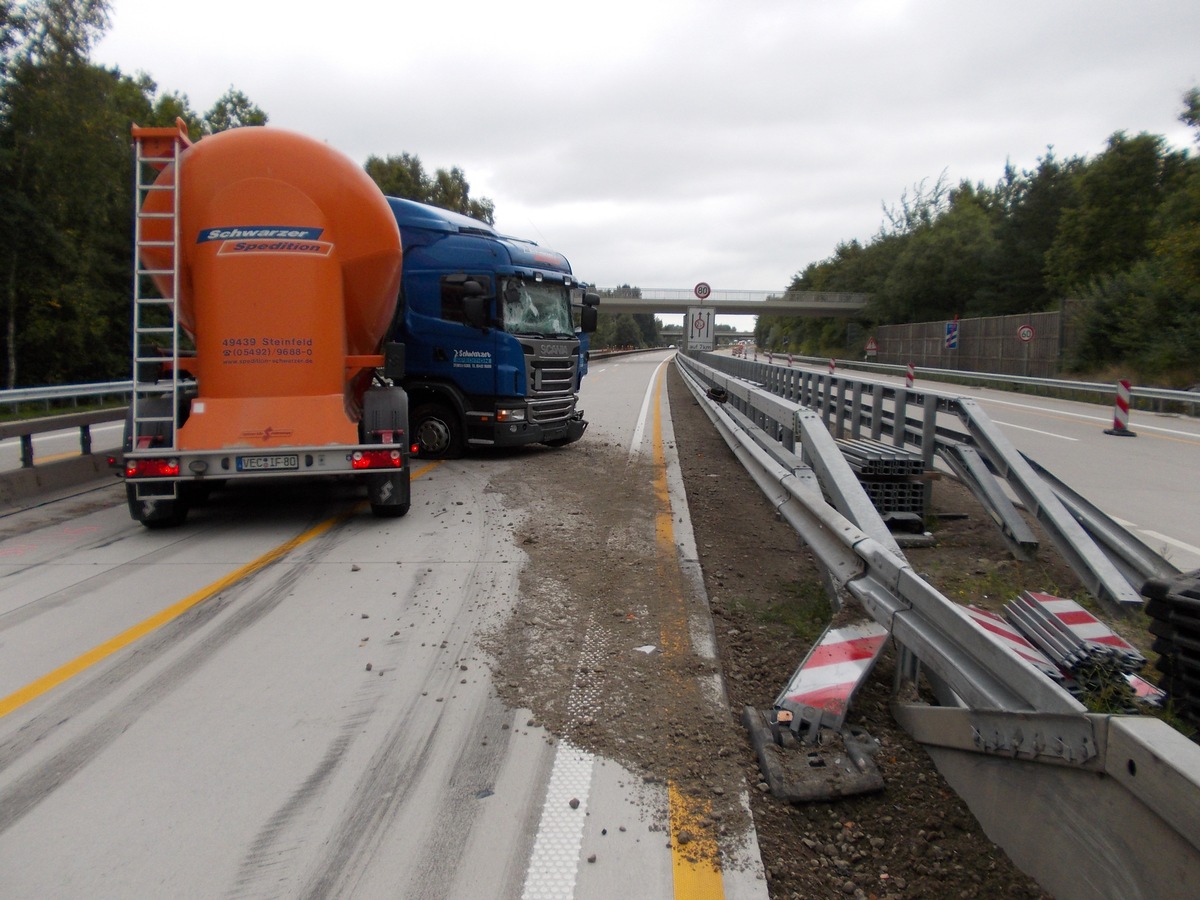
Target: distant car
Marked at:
672, 347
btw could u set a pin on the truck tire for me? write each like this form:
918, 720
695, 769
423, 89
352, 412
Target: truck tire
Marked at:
390, 495
165, 512
385, 411
156, 513
438, 431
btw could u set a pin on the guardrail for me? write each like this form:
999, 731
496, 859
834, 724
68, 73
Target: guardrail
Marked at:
27, 428
853, 408
1089, 804
1151, 398
15, 396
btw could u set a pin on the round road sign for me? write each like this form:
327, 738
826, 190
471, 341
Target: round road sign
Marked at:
1025, 333
703, 290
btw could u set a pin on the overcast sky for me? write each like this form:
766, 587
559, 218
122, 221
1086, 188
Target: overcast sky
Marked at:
662, 143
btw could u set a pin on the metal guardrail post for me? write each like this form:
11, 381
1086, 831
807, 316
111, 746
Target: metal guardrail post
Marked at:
856, 411
900, 418
876, 412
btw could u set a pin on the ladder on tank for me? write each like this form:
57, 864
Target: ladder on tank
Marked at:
155, 403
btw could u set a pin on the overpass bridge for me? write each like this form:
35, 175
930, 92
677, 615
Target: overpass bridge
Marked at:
818, 304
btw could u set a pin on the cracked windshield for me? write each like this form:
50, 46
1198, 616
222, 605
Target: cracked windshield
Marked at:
536, 308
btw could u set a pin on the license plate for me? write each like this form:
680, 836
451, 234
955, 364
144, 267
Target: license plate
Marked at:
267, 463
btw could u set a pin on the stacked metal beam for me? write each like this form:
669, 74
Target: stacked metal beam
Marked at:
1174, 608
889, 475
1095, 661
868, 457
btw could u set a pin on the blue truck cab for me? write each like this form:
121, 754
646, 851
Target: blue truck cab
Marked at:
493, 357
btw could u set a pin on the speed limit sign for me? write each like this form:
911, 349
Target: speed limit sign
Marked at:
1025, 333
703, 290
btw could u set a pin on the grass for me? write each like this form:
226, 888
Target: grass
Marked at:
805, 611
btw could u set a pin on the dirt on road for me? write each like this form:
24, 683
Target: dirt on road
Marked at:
603, 650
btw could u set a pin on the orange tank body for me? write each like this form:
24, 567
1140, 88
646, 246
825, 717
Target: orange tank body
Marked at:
289, 275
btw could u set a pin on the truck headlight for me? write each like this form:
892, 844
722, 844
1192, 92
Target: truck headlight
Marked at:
510, 415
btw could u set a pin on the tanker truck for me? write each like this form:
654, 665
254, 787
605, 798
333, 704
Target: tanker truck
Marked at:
493, 355
267, 270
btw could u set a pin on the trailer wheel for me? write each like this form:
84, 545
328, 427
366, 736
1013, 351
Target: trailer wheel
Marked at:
438, 431
392, 511
165, 512
156, 513
390, 495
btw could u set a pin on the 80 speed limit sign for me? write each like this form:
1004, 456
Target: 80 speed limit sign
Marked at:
702, 290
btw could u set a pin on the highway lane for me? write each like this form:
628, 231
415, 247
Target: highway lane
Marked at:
288, 697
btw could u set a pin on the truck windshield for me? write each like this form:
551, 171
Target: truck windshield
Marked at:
538, 308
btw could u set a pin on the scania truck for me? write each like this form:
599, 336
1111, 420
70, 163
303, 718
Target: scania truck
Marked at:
495, 333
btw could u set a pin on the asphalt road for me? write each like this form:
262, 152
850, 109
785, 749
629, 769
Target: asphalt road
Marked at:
288, 697
191, 712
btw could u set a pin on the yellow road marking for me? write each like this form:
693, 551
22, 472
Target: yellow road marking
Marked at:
53, 679
693, 860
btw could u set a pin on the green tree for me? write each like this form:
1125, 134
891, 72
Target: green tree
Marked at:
405, 176
1191, 112
233, 109
943, 264
1109, 226
648, 328
1031, 205
61, 199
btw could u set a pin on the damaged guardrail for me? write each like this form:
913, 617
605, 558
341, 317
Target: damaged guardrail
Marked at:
1049, 781
852, 408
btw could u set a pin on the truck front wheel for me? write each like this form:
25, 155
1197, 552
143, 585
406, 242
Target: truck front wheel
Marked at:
438, 432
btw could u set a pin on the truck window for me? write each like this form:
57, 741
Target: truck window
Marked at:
540, 308
452, 297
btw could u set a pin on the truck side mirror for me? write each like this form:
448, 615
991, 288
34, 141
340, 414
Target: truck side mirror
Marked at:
591, 299
588, 317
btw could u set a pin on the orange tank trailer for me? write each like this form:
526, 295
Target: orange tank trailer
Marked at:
290, 268
281, 260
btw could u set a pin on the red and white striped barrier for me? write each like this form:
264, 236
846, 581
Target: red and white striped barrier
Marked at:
1077, 621
1080, 622
910, 376
770, 357
1007, 636
832, 366
820, 690
1121, 412
789, 360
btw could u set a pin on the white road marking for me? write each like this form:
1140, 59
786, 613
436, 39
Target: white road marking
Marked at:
1170, 540
1061, 437
635, 446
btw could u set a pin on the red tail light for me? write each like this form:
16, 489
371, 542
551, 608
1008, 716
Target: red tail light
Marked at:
377, 459
151, 468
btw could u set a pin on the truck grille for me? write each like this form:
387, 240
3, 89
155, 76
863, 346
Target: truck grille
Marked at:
551, 386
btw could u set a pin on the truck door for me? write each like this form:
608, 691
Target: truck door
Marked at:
468, 352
